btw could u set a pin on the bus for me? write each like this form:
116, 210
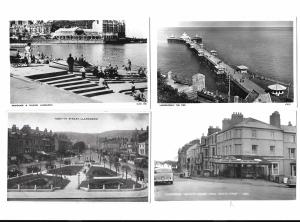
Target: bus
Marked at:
163, 175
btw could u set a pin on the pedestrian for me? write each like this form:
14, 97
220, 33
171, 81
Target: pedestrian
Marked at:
96, 72
83, 71
129, 65
105, 84
28, 52
70, 62
132, 87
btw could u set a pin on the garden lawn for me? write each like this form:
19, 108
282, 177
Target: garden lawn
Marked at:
66, 170
100, 172
41, 182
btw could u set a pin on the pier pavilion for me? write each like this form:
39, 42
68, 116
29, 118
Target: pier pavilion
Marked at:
76, 33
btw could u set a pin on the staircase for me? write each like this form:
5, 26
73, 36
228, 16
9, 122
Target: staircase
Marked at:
72, 83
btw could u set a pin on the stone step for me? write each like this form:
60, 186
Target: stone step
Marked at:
48, 75
55, 78
65, 80
72, 83
129, 90
97, 93
81, 86
90, 89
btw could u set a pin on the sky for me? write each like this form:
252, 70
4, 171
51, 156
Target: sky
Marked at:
137, 27
173, 23
172, 130
85, 123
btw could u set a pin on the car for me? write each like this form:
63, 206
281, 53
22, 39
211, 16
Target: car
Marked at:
291, 182
185, 174
163, 175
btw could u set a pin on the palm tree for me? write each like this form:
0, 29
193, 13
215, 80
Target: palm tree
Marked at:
104, 161
116, 165
127, 169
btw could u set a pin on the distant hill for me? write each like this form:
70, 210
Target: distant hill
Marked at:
91, 138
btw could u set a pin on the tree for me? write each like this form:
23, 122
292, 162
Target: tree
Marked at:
104, 161
127, 169
111, 160
79, 147
117, 165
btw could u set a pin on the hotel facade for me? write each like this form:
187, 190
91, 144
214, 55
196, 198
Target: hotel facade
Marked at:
244, 148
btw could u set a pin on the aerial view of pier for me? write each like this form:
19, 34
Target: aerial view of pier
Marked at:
78, 61
225, 62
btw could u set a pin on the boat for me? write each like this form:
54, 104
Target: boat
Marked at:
62, 64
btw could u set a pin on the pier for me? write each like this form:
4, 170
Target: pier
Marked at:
241, 78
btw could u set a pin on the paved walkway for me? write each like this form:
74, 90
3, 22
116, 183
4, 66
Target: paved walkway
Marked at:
253, 182
24, 91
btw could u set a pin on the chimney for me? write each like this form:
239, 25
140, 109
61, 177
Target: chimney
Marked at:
14, 128
37, 129
225, 124
290, 124
275, 119
212, 130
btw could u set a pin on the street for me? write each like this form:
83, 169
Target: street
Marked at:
220, 189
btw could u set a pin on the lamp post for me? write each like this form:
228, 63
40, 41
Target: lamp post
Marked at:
89, 146
78, 180
228, 75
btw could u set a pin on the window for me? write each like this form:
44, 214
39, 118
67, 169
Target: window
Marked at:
275, 168
230, 150
238, 149
272, 149
254, 149
272, 134
254, 133
294, 138
292, 153
237, 133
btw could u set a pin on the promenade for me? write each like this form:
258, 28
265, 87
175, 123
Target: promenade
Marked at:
40, 83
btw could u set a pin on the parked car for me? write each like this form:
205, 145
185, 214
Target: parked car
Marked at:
291, 182
163, 175
185, 174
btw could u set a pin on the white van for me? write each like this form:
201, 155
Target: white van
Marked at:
163, 175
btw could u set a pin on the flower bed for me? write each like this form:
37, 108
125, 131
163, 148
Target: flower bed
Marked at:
41, 182
66, 170
100, 172
110, 183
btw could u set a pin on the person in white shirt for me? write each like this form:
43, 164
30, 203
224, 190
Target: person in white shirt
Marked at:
28, 51
83, 71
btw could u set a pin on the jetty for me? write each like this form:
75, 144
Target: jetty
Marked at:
236, 75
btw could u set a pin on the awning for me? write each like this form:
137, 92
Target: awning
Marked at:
242, 160
277, 87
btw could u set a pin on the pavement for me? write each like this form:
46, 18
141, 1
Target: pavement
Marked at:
184, 189
24, 91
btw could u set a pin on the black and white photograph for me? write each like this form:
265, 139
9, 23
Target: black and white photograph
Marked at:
225, 62
78, 61
228, 155
78, 156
